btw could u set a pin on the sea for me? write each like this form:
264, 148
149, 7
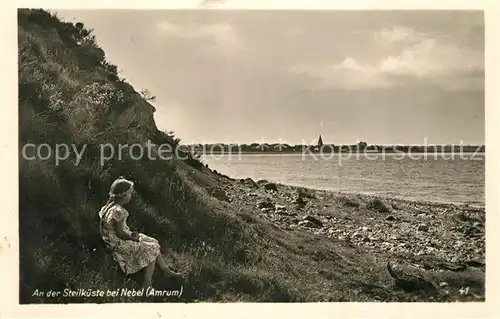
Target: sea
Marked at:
435, 177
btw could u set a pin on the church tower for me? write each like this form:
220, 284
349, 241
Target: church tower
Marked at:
320, 141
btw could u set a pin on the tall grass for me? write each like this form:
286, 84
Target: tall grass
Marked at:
65, 100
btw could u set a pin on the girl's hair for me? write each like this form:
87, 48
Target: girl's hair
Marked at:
117, 191
120, 186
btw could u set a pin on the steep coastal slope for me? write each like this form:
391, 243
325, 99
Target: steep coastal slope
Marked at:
69, 94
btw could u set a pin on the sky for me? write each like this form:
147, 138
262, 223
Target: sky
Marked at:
236, 76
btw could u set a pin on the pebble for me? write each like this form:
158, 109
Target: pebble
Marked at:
314, 220
423, 227
405, 237
308, 223
356, 235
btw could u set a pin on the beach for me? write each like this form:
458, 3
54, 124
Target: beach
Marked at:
442, 242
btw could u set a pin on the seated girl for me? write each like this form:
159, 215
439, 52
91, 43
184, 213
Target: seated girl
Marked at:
131, 250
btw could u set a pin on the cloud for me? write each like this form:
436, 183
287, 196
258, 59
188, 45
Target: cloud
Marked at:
431, 58
222, 35
420, 58
349, 74
397, 34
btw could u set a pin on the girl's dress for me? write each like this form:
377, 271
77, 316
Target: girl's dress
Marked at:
132, 256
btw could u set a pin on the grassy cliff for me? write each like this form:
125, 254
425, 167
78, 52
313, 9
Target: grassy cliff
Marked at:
70, 94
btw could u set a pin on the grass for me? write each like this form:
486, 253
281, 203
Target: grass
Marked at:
350, 202
378, 205
226, 252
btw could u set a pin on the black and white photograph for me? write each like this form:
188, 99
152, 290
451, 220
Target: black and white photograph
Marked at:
213, 155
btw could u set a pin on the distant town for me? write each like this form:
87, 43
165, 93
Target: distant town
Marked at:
221, 148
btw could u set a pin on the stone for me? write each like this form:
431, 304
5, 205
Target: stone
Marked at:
266, 210
409, 277
430, 249
308, 223
314, 220
271, 187
423, 227
265, 204
299, 200
280, 207
284, 212
220, 194
356, 235
249, 182
364, 228
443, 284
395, 206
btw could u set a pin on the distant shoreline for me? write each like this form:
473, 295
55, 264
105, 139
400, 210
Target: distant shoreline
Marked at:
360, 152
328, 149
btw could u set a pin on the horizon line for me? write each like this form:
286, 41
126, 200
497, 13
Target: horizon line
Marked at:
342, 144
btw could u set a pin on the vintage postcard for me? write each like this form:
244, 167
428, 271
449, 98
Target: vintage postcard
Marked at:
273, 156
